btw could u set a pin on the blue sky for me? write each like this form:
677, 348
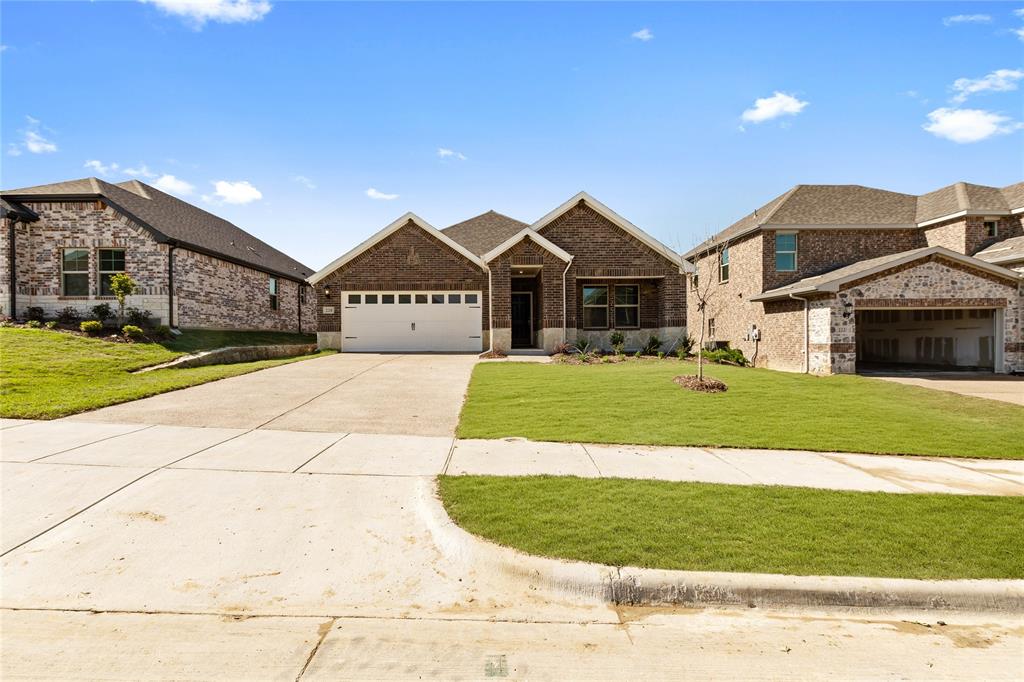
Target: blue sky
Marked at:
298, 109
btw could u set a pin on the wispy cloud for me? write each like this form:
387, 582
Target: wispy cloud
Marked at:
1019, 32
768, 108
642, 35
32, 140
377, 194
237, 192
197, 12
964, 126
445, 153
172, 185
141, 172
100, 167
1000, 80
967, 19
4, 48
304, 181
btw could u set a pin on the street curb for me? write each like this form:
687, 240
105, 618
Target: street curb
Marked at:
654, 587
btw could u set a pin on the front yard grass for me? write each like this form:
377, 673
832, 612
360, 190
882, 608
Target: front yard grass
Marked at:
760, 529
46, 374
636, 402
193, 340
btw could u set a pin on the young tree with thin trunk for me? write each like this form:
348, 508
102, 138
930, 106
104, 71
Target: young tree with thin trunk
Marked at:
704, 289
123, 286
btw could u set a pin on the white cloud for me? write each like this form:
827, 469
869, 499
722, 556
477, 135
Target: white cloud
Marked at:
37, 144
198, 12
1000, 80
964, 126
100, 167
444, 153
967, 19
1019, 33
240, 192
13, 150
767, 108
643, 35
172, 185
4, 48
304, 181
376, 194
141, 172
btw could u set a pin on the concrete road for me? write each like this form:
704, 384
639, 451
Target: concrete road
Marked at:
1006, 388
361, 392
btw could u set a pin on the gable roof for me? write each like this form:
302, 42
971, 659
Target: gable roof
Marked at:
482, 233
612, 217
962, 198
388, 231
1007, 251
833, 281
171, 220
527, 233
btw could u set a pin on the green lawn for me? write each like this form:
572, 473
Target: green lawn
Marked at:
46, 374
761, 529
636, 402
192, 340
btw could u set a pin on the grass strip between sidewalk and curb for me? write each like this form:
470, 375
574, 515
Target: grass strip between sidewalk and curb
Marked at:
637, 403
755, 529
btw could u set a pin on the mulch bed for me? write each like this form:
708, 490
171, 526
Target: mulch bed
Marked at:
706, 385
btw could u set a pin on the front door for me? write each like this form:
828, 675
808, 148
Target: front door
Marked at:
522, 320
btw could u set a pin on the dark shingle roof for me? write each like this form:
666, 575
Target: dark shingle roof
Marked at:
15, 209
174, 220
485, 231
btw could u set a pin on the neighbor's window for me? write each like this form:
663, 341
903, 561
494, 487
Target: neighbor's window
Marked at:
723, 266
111, 263
627, 305
992, 228
302, 293
595, 307
711, 327
785, 251
75, 272
273, 293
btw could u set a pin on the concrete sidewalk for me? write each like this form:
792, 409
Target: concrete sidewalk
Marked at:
69, 442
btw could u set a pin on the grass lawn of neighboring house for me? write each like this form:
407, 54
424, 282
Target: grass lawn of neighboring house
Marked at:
637, 402
47, 374
194, 340
761, 529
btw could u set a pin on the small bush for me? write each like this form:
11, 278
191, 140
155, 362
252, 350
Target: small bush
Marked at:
52, 324
685, 348
34, 313
661, 355
132, 332
162, 331
726, 356
681, 353
618, 341
582, 345
102, 312
652, 347
68, 315
91, 327
138, 317
563, 348
34, 324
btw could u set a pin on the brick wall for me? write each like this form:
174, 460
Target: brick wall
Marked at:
968, 235
548, 288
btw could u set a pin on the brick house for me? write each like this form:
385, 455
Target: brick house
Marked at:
843, 278
495, 282
61, 243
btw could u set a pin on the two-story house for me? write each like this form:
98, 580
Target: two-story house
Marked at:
841, 278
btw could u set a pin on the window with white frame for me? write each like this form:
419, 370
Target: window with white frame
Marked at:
991, 228
111, 262
723, 265
595, 307
785, 251
75, 272
711, 327
273, 293
627, 306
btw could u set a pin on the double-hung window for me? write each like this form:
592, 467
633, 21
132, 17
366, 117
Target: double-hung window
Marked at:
723, 265
785, 251
595, 307
991, 228
273, 293
111, 263
627, 306
75, 272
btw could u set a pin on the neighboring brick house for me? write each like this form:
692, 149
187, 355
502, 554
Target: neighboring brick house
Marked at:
61, 243
493, 282
843, 278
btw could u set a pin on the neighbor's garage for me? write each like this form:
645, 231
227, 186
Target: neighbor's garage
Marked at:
410, 321
930, 338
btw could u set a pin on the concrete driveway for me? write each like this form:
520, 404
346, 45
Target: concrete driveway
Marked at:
1003, 387
365, 393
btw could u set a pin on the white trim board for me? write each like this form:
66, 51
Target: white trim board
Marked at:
525, 233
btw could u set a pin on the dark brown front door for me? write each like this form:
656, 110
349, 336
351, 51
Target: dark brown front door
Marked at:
522, 320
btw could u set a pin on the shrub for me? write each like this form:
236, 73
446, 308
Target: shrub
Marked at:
34, 324
661, 355
563, 348
727, 356
138, 317
685, 348
132, 332
68, 315
91, 327
582, 345
52, 324
123, 286
35, 313
652, 346
162, 331
618, 340
102, 312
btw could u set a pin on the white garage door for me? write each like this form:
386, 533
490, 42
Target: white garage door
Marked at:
411, 321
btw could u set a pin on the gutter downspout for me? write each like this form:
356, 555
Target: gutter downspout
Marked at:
490, 312
564, 295
170, 286
13, 262
807, 335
